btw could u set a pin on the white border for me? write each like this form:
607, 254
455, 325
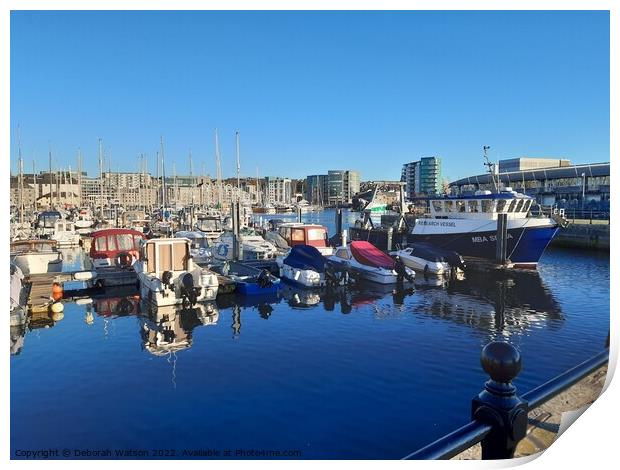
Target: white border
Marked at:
589, 443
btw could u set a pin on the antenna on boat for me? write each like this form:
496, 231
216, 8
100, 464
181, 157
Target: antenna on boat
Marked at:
491, 167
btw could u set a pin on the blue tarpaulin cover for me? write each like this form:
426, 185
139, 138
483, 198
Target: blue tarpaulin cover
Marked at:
306, 257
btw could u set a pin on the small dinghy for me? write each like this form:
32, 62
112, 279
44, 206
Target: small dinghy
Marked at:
248, 279
304, 265
371, 264
430, 259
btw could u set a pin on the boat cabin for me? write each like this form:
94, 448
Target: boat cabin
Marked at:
209, 224
198, 239
166, 254
482, 205
62, 225
47, 219
33, 246
108, 245
303, 234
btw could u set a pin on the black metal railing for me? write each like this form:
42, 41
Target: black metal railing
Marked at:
499, 415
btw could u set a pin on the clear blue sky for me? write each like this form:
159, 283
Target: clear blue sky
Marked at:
310, 91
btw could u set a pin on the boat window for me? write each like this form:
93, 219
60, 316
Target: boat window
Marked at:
125, 242
511, 207
473, 206
460, 206
342, 253
297, 235
487, 205
100, 244
285, 232
317, 234
111, 243
519, 205
526, 206
501, 204
448, 206
437, 206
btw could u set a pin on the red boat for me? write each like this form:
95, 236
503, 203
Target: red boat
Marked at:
115, 247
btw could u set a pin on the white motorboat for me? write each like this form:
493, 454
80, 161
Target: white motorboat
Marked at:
210, 225
370, 264
65, 234
84, 220
168, 276
36, 256
253, 247
304, 265
430, 259
200, 248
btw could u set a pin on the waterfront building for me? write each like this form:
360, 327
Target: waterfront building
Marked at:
584, 186
278, 190
336, 187
530, 163
422, 177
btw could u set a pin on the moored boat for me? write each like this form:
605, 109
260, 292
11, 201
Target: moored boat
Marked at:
36, 256
304, 265
168, 276
370, 264
248, 279
430, 259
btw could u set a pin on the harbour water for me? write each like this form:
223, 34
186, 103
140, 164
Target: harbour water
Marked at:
360, 373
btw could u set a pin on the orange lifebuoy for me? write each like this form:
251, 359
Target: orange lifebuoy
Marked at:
57, 291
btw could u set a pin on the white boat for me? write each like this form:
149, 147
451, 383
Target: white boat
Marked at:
200, 248
84, 220
211, 225
430, 259
370, 264
36, 256
253, 247
45, 223
304, 265
168, 276
64, 233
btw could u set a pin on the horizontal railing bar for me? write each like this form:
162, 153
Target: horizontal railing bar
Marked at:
452, 444
553, 387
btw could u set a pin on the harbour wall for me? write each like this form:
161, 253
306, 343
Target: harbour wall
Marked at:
588, 236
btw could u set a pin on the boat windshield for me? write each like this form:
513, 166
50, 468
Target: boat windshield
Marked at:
209, 225
198, 243
48, 220
315, 234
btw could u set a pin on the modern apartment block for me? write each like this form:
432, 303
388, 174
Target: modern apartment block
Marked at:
334, 188
422, 177
278, 190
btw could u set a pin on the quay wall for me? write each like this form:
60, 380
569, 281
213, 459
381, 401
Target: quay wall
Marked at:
588, 236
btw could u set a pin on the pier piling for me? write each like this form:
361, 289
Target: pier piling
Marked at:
501, 239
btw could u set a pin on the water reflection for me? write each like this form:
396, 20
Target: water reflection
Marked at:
497, 303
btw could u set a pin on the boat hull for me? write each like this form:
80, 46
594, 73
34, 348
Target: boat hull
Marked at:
526, 245
38, 263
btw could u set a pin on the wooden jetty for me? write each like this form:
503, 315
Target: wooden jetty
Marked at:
40, 294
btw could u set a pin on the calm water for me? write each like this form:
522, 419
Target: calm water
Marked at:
363, 373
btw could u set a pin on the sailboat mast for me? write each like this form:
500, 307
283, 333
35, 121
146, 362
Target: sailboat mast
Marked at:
79, 177
218, 170
50, 173
238, 167
21, 177
163, 172
101, 177
191, 177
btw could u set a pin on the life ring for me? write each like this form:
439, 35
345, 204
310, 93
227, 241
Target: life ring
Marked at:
125, 259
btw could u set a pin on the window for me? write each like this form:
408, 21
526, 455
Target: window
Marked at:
297, 235
526, 206
487, 205
519, 205
473, 206
437, 206
111, 243
501, 204
511, 207
125, 242
317, 234
460, 206
100, 244
448, 206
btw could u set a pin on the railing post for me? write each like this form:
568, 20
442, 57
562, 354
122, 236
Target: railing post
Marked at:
498, 404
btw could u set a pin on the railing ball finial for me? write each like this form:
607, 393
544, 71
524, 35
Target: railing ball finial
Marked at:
502, 361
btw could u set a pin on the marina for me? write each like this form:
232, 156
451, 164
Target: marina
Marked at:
110, 337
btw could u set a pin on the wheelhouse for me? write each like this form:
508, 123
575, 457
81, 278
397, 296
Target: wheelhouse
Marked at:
304, 234
209, 224
47, 219
36, 246
482, 205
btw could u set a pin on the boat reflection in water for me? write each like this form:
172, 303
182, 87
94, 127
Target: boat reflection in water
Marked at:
166, 330
498, 302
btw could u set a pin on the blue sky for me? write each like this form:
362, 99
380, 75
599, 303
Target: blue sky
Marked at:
310, 91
